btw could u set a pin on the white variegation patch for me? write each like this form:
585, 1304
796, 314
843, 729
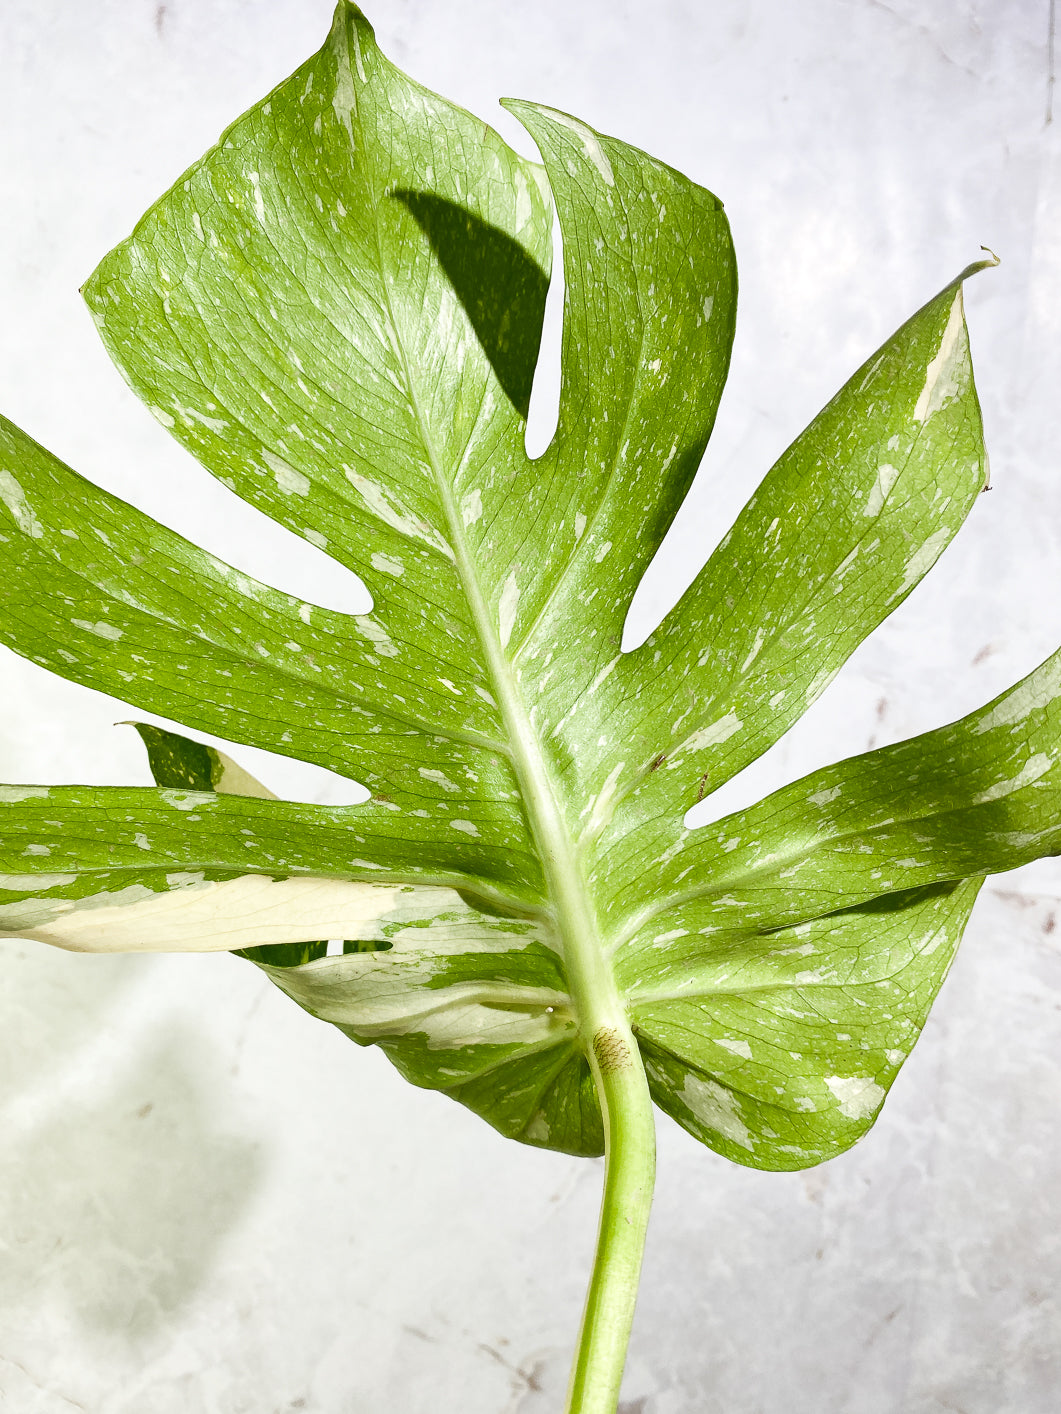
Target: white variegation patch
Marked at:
14, 498
712, 735
860, 1096
590, 144
15, 795
290, 481
404, 990
1033, 768
716, 1108
947, 376
506, 609
1036, 692
254, 910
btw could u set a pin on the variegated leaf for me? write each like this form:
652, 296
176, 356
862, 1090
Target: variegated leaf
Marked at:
338, 310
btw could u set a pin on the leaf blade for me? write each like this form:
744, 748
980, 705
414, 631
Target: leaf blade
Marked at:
781, 1054
847, 522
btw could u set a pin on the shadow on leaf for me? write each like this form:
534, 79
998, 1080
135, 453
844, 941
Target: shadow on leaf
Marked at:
501, 288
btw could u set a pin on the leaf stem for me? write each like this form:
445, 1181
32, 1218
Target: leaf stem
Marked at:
630, 1169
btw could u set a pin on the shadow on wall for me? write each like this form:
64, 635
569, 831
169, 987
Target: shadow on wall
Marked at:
52, 1005
119, 1207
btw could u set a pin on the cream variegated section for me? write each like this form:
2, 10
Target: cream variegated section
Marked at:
199, 915
409, 989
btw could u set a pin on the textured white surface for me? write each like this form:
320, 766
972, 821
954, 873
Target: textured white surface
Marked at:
209, 1203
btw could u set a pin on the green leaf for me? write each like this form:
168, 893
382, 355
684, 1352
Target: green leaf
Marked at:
463, 1000
777, 1046
338, 310
853, 515
178, 763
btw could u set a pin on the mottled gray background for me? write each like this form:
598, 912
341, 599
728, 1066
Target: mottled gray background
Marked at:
210, 1203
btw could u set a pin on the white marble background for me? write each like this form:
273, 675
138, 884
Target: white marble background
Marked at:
210, 1203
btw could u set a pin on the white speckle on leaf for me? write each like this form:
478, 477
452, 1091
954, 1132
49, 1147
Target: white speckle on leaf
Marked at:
823, 797
1032, 695
185, 878
924, 558
141, 841
600, 808
472, 507
161, 415
187, 799
465, 826
738, 1048
538, 1128
715, 734
886, 478
14, 795
357, 52
601, 677
376, 499
843, 567
590, 145
101, 629
760, 634
602, 551
344, 100
259, 204
315, 537
386, 564
716, 1108
190, 415
439, 777
947, 376
819, 683
662, 939
377, 635
1033, 768
524, 209
290, 481
14, 498
860, 1096
506, 609
580, 524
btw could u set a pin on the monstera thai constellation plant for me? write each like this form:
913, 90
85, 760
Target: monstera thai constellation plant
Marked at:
338, 311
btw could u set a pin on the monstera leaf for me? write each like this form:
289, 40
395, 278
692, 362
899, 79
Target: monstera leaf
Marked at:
338, 311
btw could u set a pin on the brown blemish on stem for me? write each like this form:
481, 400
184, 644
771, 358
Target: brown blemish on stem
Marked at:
611, 1050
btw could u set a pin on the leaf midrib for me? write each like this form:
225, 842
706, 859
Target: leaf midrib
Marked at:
591, 980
